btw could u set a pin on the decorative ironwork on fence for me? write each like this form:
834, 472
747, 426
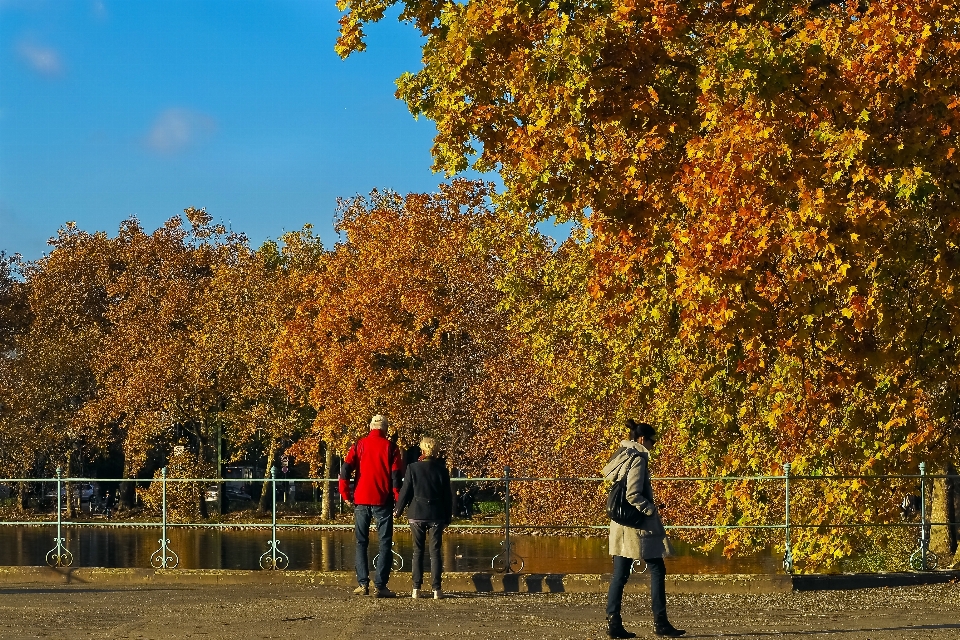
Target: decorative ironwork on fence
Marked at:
507, 561
164, 558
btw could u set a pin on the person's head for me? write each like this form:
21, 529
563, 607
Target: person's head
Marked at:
642, 432
379, 422
428, 446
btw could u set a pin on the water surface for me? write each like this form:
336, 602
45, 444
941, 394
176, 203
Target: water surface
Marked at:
333, 550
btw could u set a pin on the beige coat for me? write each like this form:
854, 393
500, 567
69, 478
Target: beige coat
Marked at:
649, 542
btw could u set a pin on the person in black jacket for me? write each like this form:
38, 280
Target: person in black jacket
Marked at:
426, 488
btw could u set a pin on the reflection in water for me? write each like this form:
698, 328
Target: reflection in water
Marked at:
321, 550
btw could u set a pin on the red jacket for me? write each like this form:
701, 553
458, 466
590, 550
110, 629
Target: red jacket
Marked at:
379, 469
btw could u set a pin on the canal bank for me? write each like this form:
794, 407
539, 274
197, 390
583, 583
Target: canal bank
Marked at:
478, 582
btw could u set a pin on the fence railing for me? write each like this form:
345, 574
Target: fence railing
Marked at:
507, 561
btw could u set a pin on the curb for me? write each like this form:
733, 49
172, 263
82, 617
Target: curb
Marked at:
480, 582
832, 582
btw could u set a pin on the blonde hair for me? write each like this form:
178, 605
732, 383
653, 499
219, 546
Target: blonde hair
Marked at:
427, 446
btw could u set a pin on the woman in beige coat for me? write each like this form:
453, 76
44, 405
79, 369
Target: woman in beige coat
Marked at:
627, 544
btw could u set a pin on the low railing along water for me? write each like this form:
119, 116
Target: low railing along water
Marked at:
123, 543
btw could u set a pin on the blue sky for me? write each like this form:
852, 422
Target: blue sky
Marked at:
110, 108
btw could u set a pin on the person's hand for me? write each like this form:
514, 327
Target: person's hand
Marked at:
349, 503
648, 511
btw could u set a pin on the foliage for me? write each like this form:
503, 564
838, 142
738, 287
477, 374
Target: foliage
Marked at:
770, 196
13, 307
149, 383
183, 498
488, 508
400, 318
57, 319
407, 317
241, 314
140, 340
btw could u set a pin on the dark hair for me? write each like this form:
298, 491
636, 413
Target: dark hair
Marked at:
640, 429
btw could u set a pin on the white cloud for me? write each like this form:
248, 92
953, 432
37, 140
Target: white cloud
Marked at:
177, 129
43, 59
99, 9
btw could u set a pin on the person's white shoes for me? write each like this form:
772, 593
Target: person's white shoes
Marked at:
415, 594
437, 594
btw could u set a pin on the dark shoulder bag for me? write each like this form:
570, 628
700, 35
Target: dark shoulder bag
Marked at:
619, 508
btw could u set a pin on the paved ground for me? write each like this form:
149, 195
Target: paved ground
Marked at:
242, 611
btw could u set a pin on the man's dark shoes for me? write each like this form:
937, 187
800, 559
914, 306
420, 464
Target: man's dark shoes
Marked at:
615, 628
667, 630
383, 592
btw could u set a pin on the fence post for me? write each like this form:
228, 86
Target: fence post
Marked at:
59, 556
59, 506
273, 558
163, 487
273, 491
788, 550
164, 558
924, 537
506, 521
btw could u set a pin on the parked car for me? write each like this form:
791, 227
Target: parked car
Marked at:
85, 492
212, 493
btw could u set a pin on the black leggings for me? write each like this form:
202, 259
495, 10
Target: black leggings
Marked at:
419, 531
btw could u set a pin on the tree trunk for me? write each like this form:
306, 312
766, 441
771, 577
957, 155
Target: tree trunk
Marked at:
943, 538
71, 512
202, 446
954, 512
127, 485
265, 495
23, 495
945, 508
223, 502
326, 507
202, 498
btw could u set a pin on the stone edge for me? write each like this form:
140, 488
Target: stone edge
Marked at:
479, 582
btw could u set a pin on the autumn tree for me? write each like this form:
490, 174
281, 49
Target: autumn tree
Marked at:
385, 327
241, 313
404, 318
774, 183
49, 365
14, 314
150, 379
148, 341
14, 319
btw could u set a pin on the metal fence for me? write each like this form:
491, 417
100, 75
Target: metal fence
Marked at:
507, 561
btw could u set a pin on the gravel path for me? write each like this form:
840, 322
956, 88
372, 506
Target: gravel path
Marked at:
301, 611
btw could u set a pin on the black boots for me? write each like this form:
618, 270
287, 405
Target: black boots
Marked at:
663, 628
615, 628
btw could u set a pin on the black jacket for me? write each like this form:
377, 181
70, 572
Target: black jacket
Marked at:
426, 488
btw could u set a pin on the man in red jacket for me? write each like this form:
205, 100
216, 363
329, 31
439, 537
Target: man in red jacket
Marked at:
379, 472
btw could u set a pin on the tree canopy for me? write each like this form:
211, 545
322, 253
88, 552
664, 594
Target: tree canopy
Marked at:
769, 192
